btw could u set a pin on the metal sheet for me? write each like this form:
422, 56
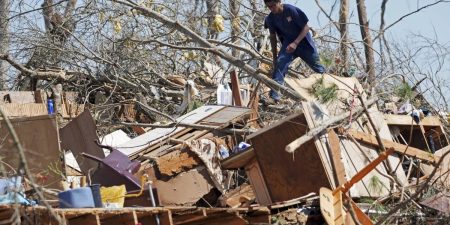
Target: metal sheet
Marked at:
78, 136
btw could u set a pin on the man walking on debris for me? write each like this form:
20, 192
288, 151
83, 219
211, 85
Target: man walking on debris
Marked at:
290, 24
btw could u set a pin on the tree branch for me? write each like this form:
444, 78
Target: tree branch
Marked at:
217, 51
294, 145
33, 73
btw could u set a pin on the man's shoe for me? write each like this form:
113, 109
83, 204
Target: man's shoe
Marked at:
270, 101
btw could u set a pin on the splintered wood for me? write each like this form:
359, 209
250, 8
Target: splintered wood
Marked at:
177, 162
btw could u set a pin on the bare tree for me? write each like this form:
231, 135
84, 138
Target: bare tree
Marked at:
235, 24
3, 41
367, 39
59, 26
343, 25
212, 11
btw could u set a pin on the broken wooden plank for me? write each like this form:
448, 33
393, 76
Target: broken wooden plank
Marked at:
174, 159
225, 116
209, 217
236, 89
399, 148
176, 162
71, 110
393, 119
336, 158
238, 196
18, 97
184, 189
253, 171
239, 160
24, 110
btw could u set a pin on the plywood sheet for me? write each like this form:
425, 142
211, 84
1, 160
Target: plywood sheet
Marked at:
17, 97
354, 156
225, 116
288, 176
443, 173
258, 183
314, 115
344, 85
354, 160
79, 136
184, 189
141, 142
24, 110
39, 138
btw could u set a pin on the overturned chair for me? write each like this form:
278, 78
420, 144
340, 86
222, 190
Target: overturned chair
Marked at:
115, 169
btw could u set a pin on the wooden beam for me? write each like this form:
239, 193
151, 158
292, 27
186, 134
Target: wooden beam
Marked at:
336, 158
38, 96
236, 89
399, 148
392, 119
87, 219
121, 219
166, 218
239, 160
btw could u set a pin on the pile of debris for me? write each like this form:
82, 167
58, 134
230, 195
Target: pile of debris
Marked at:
335, 159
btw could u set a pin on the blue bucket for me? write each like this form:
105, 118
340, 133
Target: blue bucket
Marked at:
76, 198
95, 188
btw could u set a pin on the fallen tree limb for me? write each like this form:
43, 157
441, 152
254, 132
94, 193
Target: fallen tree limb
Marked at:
294, 145
148, 108
61, 75
256, 73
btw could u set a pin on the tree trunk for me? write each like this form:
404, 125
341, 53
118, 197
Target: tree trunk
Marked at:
212, 7
257, 28
59, 26
3, 41
343, 26
368, 46
217, 51
235, 22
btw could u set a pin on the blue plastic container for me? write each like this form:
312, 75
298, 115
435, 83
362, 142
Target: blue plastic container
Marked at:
95, 188
76, 198
50, 106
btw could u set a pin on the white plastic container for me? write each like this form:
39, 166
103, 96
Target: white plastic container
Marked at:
224, 95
